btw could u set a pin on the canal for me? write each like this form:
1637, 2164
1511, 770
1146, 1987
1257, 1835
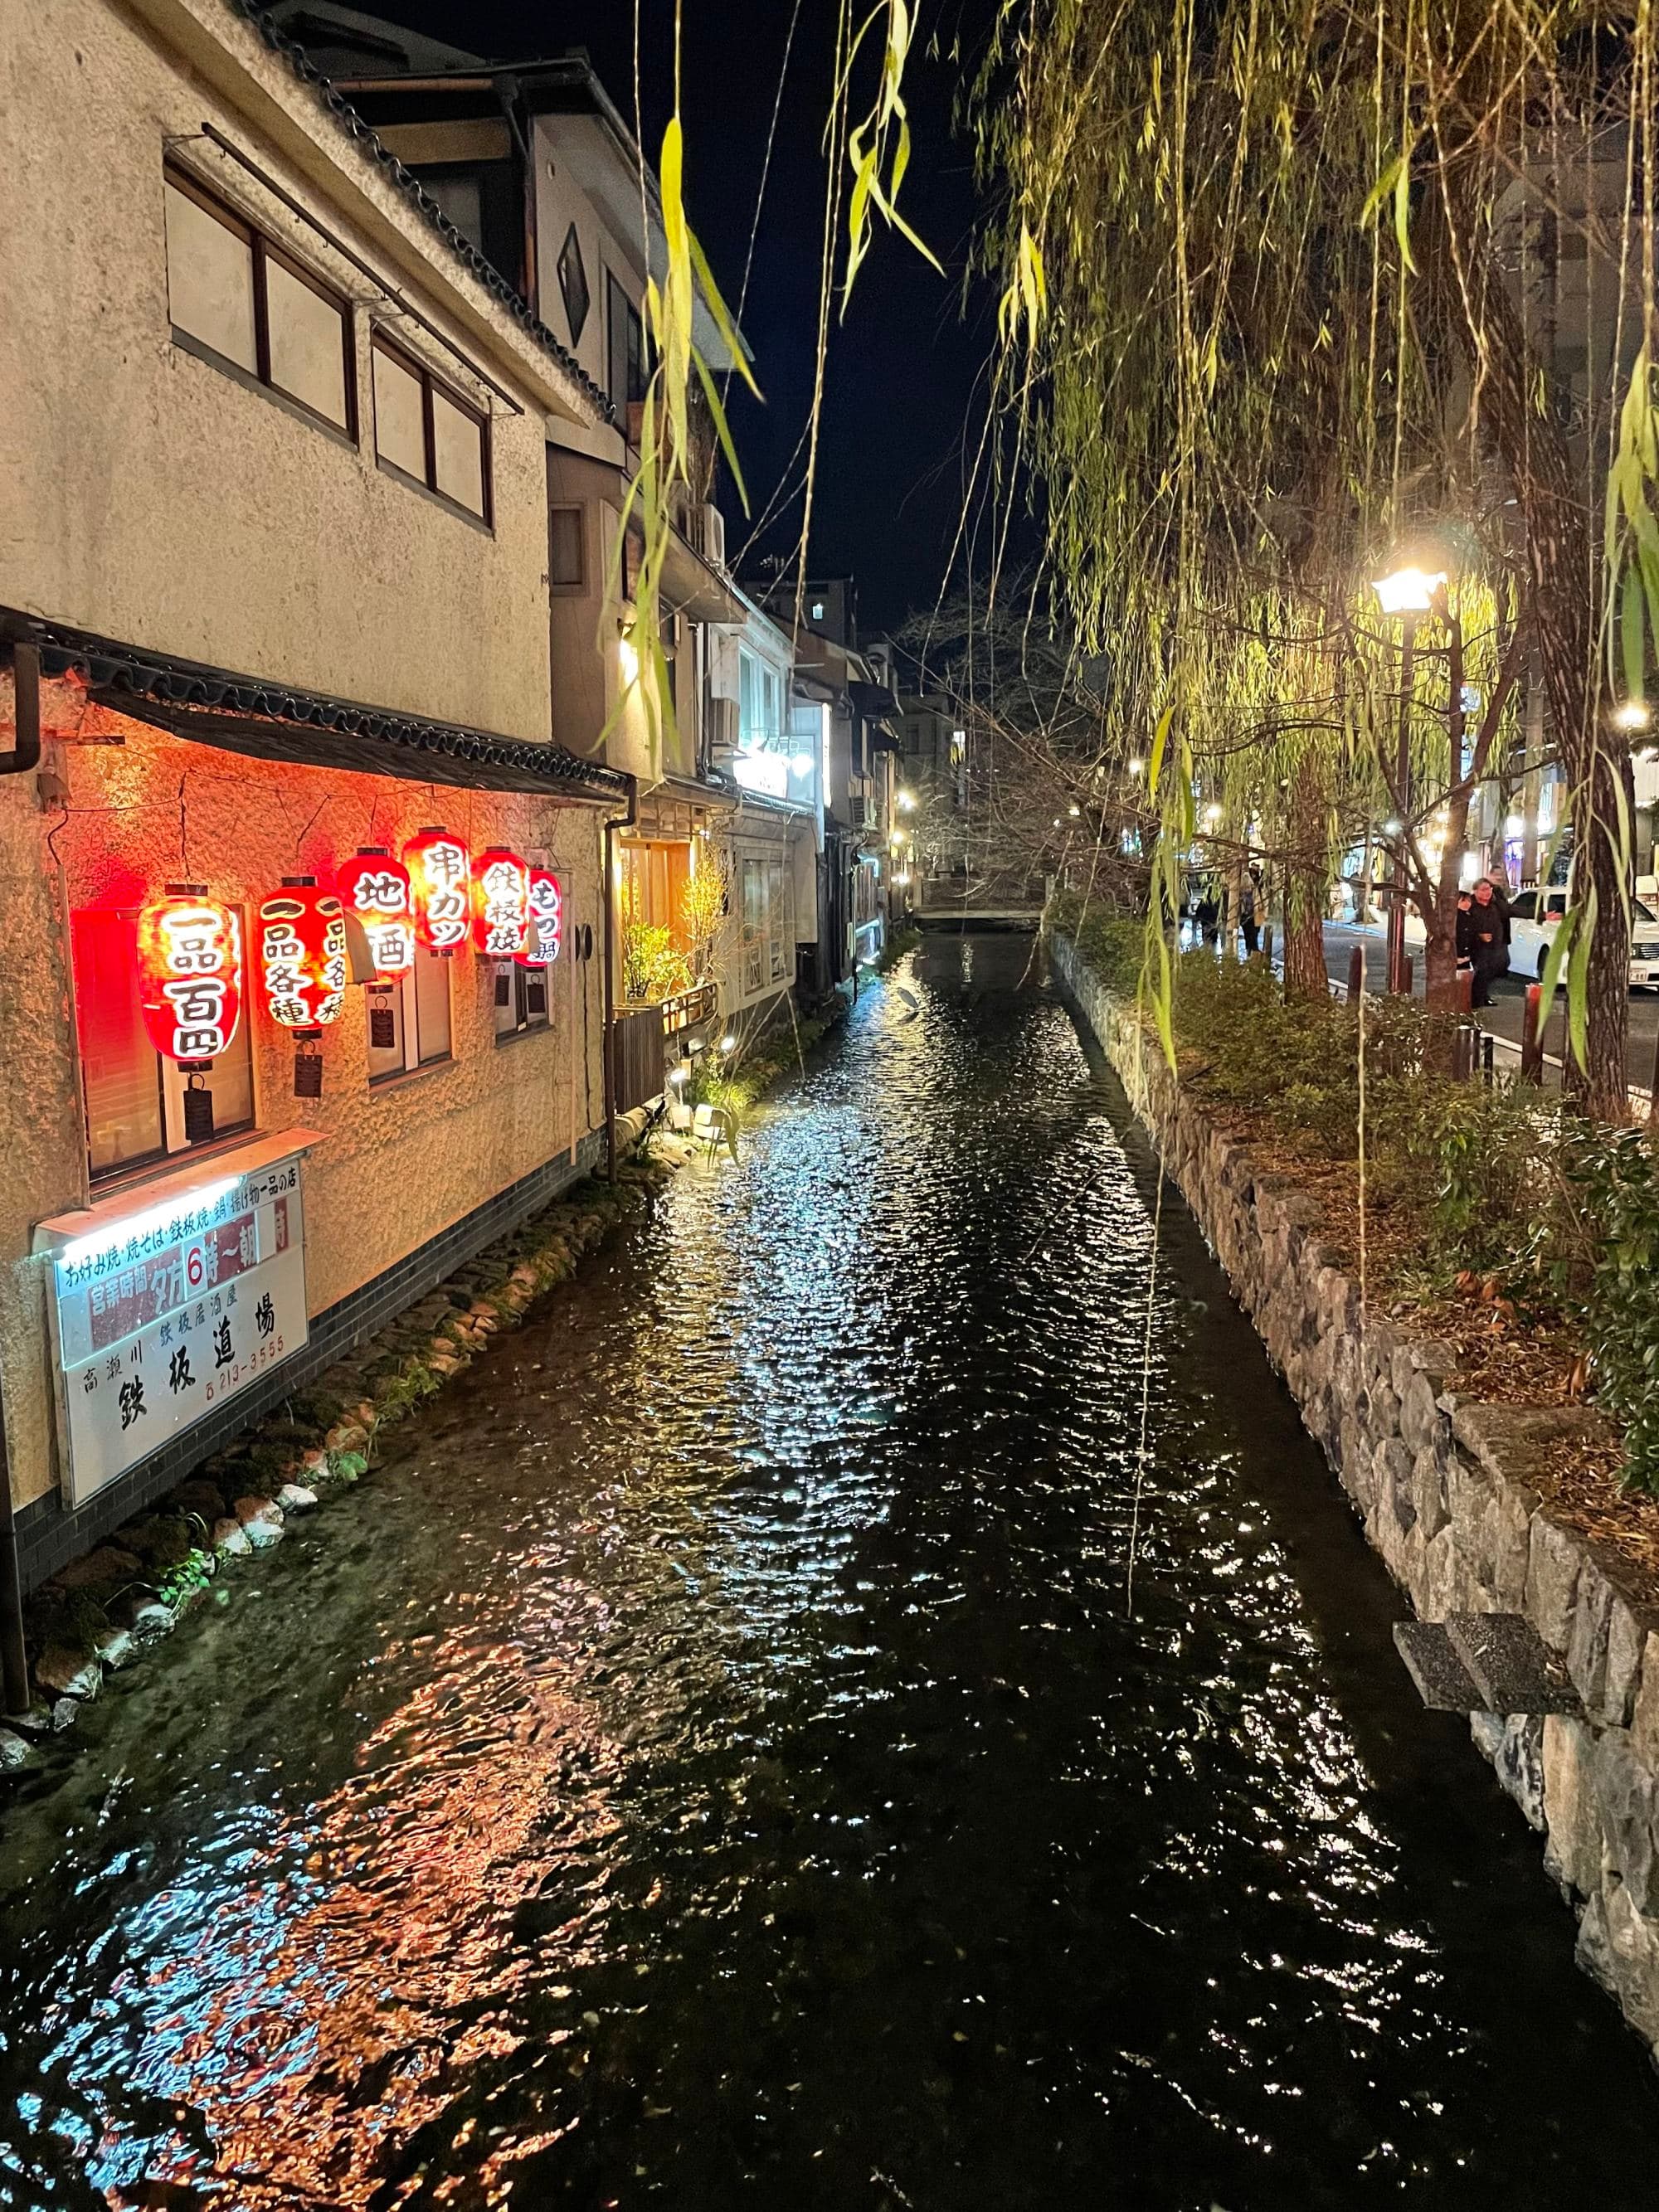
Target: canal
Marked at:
713, 1765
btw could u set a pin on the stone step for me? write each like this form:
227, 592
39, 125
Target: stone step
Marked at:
1514, 1669
1443, 1682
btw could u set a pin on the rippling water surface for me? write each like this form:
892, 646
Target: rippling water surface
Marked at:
713, 1766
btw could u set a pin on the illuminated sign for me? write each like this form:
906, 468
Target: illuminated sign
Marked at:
160, 1316
546, 919
439, 870
189, 975
766, 773
302, 955
377, 891
500, 903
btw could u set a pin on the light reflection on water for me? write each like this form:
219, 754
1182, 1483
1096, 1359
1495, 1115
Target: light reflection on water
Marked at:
710, 1765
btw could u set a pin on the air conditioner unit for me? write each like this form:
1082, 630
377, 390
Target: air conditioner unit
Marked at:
714, 535
722, 724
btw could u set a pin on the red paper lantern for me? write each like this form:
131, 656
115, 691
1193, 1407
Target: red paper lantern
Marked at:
500, 903
376, 889
439, 876
546, 932
190, 973
302, 955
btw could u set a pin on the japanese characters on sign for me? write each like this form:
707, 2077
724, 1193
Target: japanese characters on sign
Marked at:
190, 974
546, 919
377, 889
500, 903
440, 875
302, 955
161, 1317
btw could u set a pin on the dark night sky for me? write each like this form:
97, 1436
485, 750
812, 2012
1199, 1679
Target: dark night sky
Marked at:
904, 370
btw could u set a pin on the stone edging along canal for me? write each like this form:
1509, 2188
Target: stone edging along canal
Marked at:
1441, 1485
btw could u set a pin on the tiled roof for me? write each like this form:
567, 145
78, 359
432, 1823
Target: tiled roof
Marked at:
409, 186
274, 722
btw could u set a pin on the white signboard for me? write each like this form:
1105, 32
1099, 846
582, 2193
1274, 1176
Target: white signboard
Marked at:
160, 1316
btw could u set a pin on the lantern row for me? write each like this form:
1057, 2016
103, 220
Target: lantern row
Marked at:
438, 894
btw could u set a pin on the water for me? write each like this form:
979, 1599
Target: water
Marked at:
712, 1765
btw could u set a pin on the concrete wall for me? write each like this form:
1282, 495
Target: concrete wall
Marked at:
1446, 1489
155, 498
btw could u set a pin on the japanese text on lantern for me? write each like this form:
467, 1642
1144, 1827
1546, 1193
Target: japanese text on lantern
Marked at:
500, 903
190, 964
439, 872
302, 957
377, 889
546, 919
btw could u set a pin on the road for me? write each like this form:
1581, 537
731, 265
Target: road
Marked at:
1504, 1015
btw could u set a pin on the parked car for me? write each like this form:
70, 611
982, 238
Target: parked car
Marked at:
1534, 914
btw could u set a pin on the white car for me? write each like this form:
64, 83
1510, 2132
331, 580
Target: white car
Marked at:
1533, 917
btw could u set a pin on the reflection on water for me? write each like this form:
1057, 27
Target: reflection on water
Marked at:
712, 1765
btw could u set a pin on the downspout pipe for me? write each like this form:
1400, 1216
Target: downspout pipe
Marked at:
14, 1659
613, 823
26, 679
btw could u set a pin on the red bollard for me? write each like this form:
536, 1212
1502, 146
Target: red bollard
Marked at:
1356, 973
1532, 1042
1466, 991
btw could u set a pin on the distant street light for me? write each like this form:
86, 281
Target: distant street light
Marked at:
1137, 767
1632, 715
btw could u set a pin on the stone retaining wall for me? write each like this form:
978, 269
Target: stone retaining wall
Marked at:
1441, 1483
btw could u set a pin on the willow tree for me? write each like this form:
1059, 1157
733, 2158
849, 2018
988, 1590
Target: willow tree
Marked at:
1258, 336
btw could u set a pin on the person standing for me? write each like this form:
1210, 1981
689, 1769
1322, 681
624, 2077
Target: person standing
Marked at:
1249, 913
1489, 939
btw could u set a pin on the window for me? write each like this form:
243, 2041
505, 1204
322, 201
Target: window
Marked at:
627, 378
236, 296
777, 921
567, 564
409, 1020
1522, 907
760, 703
521, 998
753, 926
573, 284
460, 200
134, 1097
424, 431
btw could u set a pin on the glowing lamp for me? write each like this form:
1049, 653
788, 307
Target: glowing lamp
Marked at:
500, 903
377, 893
1409, 591
546, 929
439, 877
302, 955
190, 973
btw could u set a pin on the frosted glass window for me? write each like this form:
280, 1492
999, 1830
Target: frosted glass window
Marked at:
400, 416
210, 281
432, 1005
457, 453
308, 343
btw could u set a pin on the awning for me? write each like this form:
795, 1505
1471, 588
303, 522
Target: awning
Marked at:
263, 721
694, 586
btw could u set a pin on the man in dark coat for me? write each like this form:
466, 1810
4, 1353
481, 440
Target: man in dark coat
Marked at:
1489, 938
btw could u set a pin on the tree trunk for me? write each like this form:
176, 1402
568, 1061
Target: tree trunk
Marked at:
1307, 882
1565, 592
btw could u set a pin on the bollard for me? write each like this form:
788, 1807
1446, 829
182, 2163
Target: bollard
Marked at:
1404, 975
1532, 1040
1488, 1062
1356, 973
1267, 944
1466, 991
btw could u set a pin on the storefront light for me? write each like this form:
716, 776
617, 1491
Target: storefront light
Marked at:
190, 977
500, 903
135, 1228
439, 876
302, 955
376, 890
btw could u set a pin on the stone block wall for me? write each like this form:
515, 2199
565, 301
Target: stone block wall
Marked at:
1441, 1485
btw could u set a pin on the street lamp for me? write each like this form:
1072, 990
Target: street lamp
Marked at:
1632, 715
1410, 592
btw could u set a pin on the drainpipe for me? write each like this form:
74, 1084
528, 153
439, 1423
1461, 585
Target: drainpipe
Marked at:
14, 1660
26, 678
612, 824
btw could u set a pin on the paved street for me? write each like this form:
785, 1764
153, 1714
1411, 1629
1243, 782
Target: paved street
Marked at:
1504, 1017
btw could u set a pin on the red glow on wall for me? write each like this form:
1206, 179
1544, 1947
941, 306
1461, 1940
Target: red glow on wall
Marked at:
500, 903
377, 891
440, 875
302, 955
546, 931
189, 975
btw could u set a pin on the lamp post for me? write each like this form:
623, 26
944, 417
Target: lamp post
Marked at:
1410, 594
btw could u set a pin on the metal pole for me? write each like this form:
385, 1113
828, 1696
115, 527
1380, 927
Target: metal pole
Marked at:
608, 890
14, 1658
1402, 793
1356, 973
1532, 1036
